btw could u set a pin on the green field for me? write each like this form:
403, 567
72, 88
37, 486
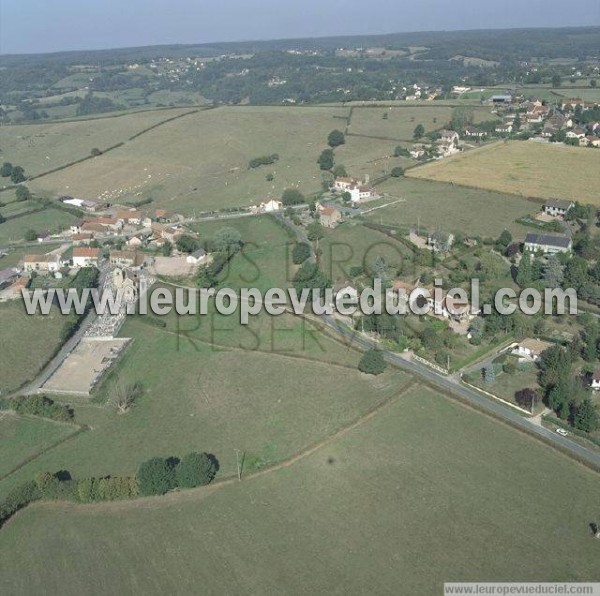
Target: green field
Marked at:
42, 147
522, 168
27, 343
401, 121
213, 385
436, 205
382, 508
201, 161
49, 220
21, 438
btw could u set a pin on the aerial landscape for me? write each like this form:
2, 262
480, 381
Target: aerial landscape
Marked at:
315, 313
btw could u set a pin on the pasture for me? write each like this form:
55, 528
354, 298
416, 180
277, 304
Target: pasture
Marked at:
400, 122
24, 437
414, 496
438, 205
28, 342
522, 168
42, 147
50, 221
200, 161
269, 389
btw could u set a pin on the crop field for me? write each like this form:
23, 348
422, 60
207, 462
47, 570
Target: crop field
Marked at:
21, 438
382, 508
438, 205
201, 161
400, 122
523, 168
27, 343
212, 384
42, 147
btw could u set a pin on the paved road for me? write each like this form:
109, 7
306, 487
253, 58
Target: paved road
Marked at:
452, 385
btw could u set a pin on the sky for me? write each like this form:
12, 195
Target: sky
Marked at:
34, 26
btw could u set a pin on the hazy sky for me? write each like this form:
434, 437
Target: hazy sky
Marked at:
28, 26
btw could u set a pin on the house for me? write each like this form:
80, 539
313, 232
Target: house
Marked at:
344, 183
557, 207
530, 349
126, 258
595, 381
329, 217
548, 244
417, 151
75, 227
592, 141
83, 238
131, 217
504, 129
474, 132
42, 263
572, 103
449, 136
196, 257
163, 216
361, 193
269, 206
84, 256
576, 133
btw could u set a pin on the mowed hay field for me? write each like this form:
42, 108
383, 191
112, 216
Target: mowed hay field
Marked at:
401, 121
524, 168
450, 208
424, 491
27, 343
209, 384
200, 161
42, 147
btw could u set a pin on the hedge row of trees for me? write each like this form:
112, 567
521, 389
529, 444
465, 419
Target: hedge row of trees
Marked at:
155, 477
16, 173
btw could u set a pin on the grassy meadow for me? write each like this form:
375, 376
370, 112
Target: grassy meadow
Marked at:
42, 147
522, 168
381, 508
27, 343
49, 220
450, 208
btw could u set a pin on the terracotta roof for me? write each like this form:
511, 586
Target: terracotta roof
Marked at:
84, 251
49, 258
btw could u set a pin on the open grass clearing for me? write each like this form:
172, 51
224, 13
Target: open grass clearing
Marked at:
28, 342
274, 391
529, 169
437, 205
201, 161
424, 492
51, 221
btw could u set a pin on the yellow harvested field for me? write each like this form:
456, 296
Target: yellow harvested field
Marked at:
523, 168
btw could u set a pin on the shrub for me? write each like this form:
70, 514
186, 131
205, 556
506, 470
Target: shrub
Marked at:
156, 476
17, 498
300, 253
397, 172
195, 469
335, 138
40, 405
509, 368
372, 362
292, 196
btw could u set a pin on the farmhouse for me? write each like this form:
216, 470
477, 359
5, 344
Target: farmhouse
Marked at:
196, 257
361, 193
449, 136
557, 207
530, 349
548, 244
85, 257
126, 258
268, 206
504, 128
343, 183
329, 217
474, 132
82, 238
42, 263
129, 217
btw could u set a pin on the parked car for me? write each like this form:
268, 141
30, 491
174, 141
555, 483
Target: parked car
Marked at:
562, 432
